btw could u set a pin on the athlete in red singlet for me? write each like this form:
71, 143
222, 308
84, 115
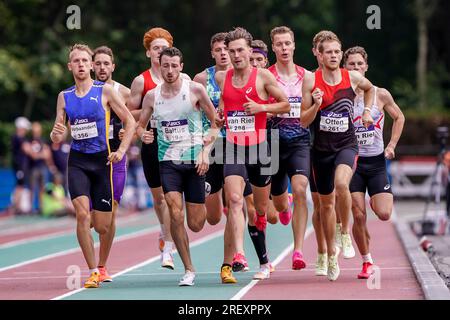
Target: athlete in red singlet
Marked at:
245, 92
328, 101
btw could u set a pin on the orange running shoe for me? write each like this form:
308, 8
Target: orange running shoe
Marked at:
104, 276
93, 281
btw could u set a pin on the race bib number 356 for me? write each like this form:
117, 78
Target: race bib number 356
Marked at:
84, 130
177, 130
333, 122
240, 121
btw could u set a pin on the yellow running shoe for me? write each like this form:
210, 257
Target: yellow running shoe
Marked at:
227, 275
93, 281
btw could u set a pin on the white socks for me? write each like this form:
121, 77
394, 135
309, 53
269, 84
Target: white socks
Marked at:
367, 258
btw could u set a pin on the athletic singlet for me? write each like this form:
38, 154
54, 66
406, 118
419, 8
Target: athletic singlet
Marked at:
115, 125
179, 125
89, 121
213, 90
333, 125
241, 128
288, 124
370, 140
149, 84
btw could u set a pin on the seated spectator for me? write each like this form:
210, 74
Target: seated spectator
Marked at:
54, 203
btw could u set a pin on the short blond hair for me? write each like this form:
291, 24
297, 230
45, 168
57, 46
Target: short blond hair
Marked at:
320, 36
356, 50
281, 30
328, 38
81, 47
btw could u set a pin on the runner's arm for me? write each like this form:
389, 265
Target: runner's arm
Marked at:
57, 133
397, 116
135, 98
310, 105
146, 112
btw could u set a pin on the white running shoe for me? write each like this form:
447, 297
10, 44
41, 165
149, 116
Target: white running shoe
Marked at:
167, 260
263, 273
338, 236
188, 279
333, 267
347, 248
322, 264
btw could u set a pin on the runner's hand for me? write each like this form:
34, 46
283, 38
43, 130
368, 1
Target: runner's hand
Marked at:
147, 137
251, 107
115, 157
202, 163
59, 129
317, 96
367, 119
389, 153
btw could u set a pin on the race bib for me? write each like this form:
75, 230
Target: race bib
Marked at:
296, 103
81, 131
333, 122
177, 130
240, 121
111, 131
153, 122
365, 135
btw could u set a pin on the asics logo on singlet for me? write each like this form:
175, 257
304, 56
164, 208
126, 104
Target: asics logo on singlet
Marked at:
335, 115
108, 202
95, 99
387, 187
249, 90
80, 121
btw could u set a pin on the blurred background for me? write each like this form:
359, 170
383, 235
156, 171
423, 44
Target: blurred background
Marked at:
409, 54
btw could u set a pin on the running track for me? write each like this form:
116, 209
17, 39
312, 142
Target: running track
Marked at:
36, 256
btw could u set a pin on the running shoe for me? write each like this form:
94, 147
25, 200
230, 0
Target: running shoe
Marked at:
333, 266
239, 263
347, 248
161, 241
93, 281
226, 275
322, 264
338, 236
261, 222
104, 276
272, 268
167, 260
367, 271
263, 273
188, 279
297, 261
286, 216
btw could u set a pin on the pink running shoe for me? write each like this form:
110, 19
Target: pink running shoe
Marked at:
260, 222
297, 261
239, 263
285, 217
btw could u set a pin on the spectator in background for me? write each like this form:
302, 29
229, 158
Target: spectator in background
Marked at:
60, 153
54, 203
21, 202
39, 156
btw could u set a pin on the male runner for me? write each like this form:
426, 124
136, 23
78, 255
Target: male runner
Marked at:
371, 174
155, 40
103, 68
259, 59
294, 142
245, 93
88, 105
177, 106
328, 96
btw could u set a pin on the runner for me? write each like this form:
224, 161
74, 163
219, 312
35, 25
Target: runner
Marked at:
155, 40
371, 173
331, 91
88, 105
176, 105
245, 93
259, 59
322, 258
103, 68
294, 143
